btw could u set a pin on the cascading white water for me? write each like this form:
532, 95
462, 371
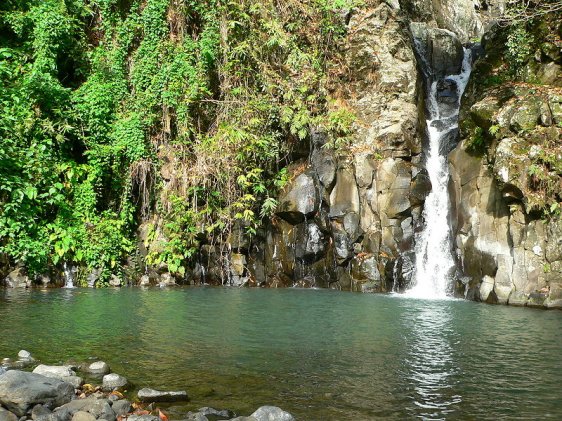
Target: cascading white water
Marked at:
434, 261
68, 276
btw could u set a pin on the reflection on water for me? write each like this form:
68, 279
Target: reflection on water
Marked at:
430, 361
323, 355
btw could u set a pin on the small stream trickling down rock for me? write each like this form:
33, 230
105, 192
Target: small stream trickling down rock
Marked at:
435, 266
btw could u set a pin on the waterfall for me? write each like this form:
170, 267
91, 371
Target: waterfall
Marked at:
434, 260
68, 276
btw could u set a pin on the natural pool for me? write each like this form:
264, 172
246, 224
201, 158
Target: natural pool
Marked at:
322, 355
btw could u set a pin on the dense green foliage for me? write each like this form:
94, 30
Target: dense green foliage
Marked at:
98, 97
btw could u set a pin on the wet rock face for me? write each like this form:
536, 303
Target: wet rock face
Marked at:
506, 179
440, 51
300, 200
346, 218
466, 18
17, 279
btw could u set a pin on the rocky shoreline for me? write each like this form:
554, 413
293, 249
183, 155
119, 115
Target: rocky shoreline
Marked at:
58, 393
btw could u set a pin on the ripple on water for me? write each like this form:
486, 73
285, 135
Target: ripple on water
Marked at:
322, 355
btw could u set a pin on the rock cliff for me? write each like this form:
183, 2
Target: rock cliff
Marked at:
507, 173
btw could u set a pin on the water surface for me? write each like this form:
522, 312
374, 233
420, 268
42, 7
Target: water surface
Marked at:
322, 355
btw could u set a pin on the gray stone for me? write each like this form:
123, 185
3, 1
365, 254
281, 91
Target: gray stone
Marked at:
215, 412
152, 395
142, 418
115, 281
345, 195
312, 244
272, 413
365, 269
83, 416
537, 299
24, 355
20, 391
324, 165
93, 276
113, 381
237, 264
17, 279
121, 407
2, 370
55, 371
371, 287
526, 116
7, 415
300, 199
196, 416
486, 288
98, 407
518, 298
144, 280
98, 367
61, 372
442, 52
39, 411
167, 280
364, 170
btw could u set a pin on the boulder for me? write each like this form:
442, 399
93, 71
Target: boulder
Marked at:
219, 413
115, 281
312, 246
486, 288
152, 395
40, 411
61, 372
121, 407
113, 381
440, 50
237, 264
324, 166
17, 279
7, 415
144, 281
167, 280
345, 195
224, 413
300, 199
20, 391
272, 413
142, 418
83, 416
24, 355
98, 367
98, 407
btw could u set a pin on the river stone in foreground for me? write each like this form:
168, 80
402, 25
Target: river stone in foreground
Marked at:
151, 395
25, 355
61, 372
142, 418
113, 381
121, 407
271, 413
83, 416
99, 408
7, 415
20, 391
98, 367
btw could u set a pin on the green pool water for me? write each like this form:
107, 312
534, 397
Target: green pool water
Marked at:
322, 355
